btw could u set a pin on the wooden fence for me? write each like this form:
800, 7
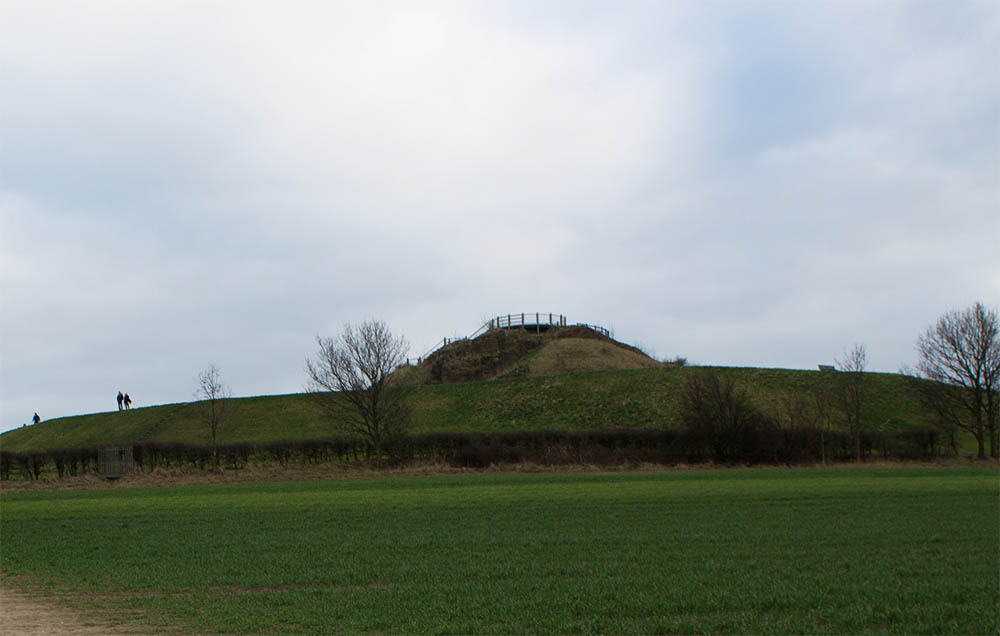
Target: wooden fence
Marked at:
526, 320
539, 321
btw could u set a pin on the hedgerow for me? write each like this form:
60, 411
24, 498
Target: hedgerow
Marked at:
757, 441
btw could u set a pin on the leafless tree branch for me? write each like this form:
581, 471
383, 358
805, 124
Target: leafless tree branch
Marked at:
853, 390
215, 394
352, 377
960, 357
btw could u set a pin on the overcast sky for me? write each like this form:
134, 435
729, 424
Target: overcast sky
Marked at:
740, 183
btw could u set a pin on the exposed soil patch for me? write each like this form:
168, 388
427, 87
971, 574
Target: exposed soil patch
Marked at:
25, 614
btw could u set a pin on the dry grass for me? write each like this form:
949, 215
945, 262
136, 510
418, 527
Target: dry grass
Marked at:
191, 476
517, 352
294, 472
567, 355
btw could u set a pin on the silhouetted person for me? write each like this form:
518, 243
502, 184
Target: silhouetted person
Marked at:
128, 401
36, 419
121, 398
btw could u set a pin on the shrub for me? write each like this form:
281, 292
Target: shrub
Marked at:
6, 461
722, 421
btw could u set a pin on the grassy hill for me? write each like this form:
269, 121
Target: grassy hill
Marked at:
518, 352
600, 399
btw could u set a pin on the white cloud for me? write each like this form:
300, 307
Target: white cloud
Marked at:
186, 183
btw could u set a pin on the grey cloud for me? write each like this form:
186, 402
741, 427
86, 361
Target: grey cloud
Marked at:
184, 184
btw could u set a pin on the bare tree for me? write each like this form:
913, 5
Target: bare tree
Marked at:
215, 396
960, 355
352, 378
853, 390
721, 416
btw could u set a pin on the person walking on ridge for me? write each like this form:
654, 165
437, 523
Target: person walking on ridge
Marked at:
36, 419
121, 398
128, 402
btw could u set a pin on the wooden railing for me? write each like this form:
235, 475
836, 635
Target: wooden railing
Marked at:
437, 346
537, 319
599, 329
527, 320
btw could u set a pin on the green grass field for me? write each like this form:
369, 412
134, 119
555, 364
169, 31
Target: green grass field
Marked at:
632, 398
913, 550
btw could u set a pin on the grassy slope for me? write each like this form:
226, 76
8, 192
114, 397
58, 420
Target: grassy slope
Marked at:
516, 353
637, 398
567, 355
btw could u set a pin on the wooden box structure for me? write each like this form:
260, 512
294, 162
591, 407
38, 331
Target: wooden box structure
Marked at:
114, 461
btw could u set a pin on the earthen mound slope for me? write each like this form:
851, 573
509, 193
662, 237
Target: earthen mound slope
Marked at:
519, 352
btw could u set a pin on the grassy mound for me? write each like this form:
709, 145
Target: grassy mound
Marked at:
520, 352
585, 400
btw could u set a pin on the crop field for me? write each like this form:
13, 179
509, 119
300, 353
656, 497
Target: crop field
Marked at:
851, 550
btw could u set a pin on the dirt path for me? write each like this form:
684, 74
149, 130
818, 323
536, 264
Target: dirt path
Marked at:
26, 615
